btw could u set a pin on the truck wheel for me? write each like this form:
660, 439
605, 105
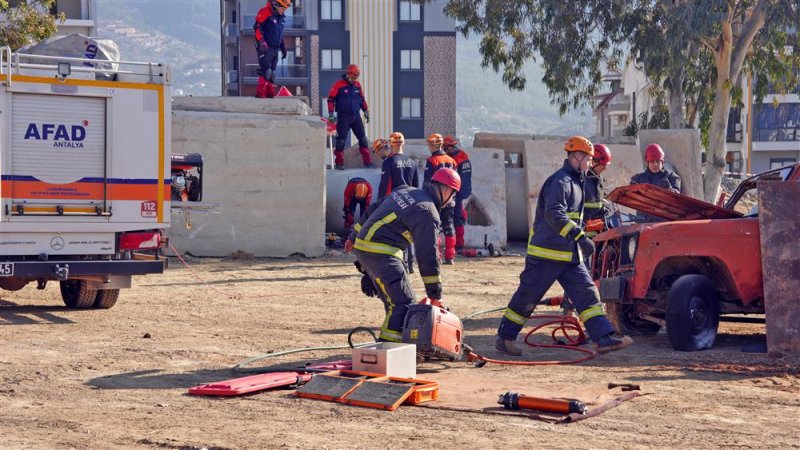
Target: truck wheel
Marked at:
76, 294
106, 298
692, 313
620, 316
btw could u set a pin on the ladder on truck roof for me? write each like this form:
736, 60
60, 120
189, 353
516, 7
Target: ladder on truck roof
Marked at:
15, 63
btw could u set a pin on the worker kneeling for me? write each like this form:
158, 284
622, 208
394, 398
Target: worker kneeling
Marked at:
407, 215
556, 250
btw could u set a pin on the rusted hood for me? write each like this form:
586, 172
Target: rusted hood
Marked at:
666, 204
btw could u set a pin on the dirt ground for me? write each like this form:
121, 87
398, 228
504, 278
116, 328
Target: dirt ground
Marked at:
91, 379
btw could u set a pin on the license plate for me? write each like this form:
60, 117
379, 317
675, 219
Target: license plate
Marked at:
6, 269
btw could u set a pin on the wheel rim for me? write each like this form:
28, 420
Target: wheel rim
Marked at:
698, 314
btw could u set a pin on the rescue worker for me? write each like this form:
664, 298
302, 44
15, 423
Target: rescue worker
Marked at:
346, 97
381, 148
555, 251
656, 175
439, 160
406, 215
594, 203
464, 169
357, 193
398, 169
268, 28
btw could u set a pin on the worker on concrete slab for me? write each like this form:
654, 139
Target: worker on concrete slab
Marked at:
346, 97
357, 193
595, 206
656, 175
555, 251
441, 160
464, 169
268, 28
408, 215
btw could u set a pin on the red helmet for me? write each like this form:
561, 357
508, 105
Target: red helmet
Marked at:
450, 141
602, 154
447, 177
353, 71
653, 152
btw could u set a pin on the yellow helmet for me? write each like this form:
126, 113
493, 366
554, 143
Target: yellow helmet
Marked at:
579, 144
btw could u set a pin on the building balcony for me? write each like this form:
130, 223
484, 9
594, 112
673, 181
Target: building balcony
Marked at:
282, 71
784, 134
292, 23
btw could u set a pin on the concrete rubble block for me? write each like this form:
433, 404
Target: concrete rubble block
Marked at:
780, 262
486, 207
511, 143
267, 174
682, 151
279, 105
516, 201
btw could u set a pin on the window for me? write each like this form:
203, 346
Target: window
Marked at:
331, 9
777, 163
331, 59
410, 60
777, 124
409, 11
411, 108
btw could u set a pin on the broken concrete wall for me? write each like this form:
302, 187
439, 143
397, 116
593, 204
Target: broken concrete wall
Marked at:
280, 105
516, 204
266, 171
682, 151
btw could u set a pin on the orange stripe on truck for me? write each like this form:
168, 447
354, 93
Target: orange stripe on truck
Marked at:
80, 190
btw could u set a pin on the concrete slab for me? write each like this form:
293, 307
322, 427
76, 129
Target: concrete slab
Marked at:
267, 173
486, 207
281, 105
507, 141
517, 226
682, 151
780, 261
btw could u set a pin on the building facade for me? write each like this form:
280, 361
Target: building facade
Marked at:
80, 17
406, 52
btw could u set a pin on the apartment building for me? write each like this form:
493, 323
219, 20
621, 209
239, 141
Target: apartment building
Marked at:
406, 52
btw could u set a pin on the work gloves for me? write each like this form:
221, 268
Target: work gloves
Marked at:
262, 45
331, 118
586, 246
367, 286
366, 116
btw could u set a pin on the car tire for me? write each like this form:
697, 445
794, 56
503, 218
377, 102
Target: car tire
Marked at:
76, 294
106, 298
619, 314
692, 313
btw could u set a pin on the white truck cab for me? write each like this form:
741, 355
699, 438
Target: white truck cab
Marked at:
84, 174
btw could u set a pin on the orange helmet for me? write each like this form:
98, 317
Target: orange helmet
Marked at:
353, 71
579, 144
602, 154
653, 152
450, 141
435, 139
361, 190
447, 177
282, 3
381, 148
397, 138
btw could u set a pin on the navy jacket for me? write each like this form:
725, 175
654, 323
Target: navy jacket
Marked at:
438, 160
269, 27
464, 168
665, 179
397, 170
407, 216
346, 98
593, 195
557, 223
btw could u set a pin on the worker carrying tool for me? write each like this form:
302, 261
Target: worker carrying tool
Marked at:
268, 28
408, 215
440, 160
656, 175
555, 251
464, 169
595, 206
357, 193
346, 97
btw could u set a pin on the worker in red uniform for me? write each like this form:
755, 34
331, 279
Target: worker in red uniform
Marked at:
346, 97
464, 169
269, 25
556, 251
440, 160
656, 175
357, 193
594, 202
406, 215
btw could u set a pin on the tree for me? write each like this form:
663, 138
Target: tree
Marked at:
25, 22
697, 48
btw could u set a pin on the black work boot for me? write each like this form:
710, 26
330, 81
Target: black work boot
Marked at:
506, 347
611, 342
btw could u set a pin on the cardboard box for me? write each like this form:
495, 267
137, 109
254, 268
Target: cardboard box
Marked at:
389, 358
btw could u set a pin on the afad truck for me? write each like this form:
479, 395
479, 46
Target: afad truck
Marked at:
85, 166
